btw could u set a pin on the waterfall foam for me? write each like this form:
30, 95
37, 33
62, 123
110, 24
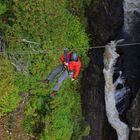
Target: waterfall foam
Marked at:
110, 57
120, 94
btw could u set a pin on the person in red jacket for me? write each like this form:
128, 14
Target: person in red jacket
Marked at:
71, 68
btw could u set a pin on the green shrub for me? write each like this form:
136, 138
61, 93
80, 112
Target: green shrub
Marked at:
9, 98
3, 8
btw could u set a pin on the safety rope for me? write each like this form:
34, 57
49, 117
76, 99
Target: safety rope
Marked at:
44, 51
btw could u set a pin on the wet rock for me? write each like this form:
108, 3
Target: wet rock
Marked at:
133, 117
2, 45
105, 18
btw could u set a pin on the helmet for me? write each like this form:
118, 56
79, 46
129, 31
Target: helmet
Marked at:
74, 56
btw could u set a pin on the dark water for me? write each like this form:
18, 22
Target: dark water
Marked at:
129, 62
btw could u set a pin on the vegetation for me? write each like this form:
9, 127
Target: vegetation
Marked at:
8, 91
53, 27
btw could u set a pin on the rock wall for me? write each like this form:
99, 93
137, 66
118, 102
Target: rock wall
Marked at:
105, 19
133, 117
105, 22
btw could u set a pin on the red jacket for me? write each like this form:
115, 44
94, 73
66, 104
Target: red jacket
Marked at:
73, 66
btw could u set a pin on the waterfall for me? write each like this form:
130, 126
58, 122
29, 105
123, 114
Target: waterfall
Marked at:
110, 57
116, 93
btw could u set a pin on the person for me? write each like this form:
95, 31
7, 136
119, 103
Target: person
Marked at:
70, 68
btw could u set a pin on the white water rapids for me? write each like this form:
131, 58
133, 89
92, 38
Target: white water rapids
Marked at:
114, 96
112, 113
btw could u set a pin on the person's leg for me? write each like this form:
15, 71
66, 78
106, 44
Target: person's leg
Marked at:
58, 69
60, 80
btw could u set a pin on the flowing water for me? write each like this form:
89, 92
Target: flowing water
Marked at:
118, 92
129, 61
110, 58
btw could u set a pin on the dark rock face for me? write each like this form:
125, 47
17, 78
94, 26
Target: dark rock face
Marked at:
93, 105
105, 19
129, 64
133, 116
2, 45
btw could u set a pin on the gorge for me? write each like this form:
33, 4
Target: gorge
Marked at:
126, 69
103, 103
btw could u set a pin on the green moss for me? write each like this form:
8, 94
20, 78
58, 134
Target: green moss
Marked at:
3, 8
86, 131
9, 98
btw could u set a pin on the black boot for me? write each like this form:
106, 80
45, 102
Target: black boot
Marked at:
44, 81
53, 94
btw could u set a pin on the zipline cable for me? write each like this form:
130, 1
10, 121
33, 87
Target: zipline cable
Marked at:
44, 51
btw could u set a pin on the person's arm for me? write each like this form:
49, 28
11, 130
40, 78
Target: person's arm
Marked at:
66, 56
62, 58
77, 70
